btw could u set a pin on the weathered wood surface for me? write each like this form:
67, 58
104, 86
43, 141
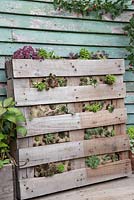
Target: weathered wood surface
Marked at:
26, 96
72, 150
6, 183
72, 179
105, 191
52, 124
63, 67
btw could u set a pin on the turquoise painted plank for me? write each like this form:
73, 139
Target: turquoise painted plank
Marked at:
130, 119
60, 24
130, 109
65, 38
129, 98
9, 48
5, 35
2, 91
46, 9
129, 76
2, 76
2, 98
130, 86
2, 62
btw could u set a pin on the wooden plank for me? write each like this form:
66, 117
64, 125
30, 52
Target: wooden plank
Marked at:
64, 38
75, 178
130, 119
47, 9
60, 24
52, 124
63, 50
31, 96
129, 76
72, 150
24, 68
129, 98
6, 183
2, 76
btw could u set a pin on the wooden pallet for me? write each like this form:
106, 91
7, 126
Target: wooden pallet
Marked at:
35, 156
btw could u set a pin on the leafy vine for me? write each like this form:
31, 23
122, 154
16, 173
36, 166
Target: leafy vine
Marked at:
85, 7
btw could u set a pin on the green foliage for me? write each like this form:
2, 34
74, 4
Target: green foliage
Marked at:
60, 168
92, 162
47, 55
130, 132
88, 81
110, 108
98, 132
62, 109
50, 82
129, 30
85, 54
94, 107
49, 138
9, 119
99, 7
110, 79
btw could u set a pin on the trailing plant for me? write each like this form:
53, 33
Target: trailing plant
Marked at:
130, 132
110, 79
85, 7
88, 81
129, 30
92, 161
98, 132
9, 127
94, 107
50, 82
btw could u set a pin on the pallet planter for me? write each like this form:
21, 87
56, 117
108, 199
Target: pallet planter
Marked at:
75, 121
7, 183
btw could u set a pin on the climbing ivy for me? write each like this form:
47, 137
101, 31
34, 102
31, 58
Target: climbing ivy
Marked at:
99, 7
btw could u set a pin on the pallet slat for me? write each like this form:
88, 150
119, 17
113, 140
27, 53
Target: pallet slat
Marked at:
72, 150
22, 68
73, 179
30, 96
52, 124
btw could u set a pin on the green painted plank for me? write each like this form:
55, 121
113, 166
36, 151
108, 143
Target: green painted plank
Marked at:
60, 24
2, 90
9, 48
64, 38
46, 9
129, 98
130, 109
2, 76
130, 86
130, 119
2, 98
2, 62
5, 35
129, 76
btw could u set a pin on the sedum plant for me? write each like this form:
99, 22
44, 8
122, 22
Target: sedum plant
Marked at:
10, 117
110, 79
92, 161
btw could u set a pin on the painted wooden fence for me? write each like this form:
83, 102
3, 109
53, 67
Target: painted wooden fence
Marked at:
36, 23
53, 156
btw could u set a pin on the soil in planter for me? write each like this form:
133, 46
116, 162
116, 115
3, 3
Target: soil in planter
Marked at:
51, 169
51, 138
